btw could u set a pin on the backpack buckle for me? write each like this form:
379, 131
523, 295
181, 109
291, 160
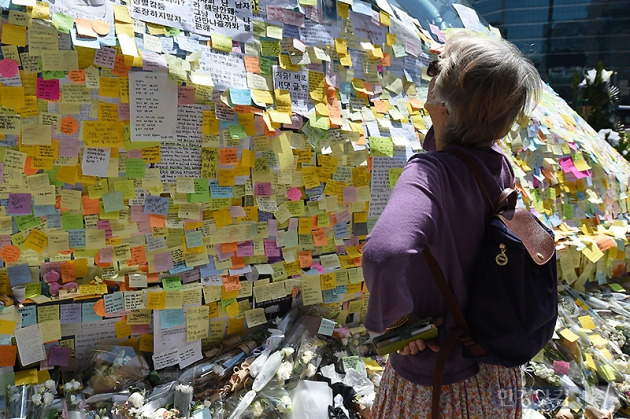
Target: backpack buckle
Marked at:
501, 258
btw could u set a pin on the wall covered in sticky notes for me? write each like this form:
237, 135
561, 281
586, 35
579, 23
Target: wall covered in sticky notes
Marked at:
175, 174
171, 174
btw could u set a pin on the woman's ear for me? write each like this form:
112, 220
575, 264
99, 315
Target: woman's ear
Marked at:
443, 108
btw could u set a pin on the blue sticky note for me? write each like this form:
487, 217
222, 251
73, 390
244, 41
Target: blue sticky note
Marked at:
70, 313
156, 205
87, 313
172, 318
362, 7
113, 201
240, 96
179, 268
76, 238
217, 191
29, 315
194, 239
53, 221
209, 269
40, 210
19, 274
341, 231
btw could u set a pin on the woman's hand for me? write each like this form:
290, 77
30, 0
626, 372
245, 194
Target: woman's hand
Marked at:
420, 345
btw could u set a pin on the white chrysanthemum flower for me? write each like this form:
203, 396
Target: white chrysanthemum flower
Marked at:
287, 351
49, 384
307, 356
310, 370
284, 372
284, 405
137, 400
75, 385
48, 398
36, 399
67, 386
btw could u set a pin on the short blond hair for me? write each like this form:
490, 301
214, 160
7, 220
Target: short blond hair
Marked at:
486, 84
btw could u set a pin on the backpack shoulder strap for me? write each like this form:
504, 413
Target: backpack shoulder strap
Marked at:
460, 333
508, 195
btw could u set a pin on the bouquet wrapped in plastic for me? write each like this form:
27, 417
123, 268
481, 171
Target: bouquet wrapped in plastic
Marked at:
17, 401
117, 368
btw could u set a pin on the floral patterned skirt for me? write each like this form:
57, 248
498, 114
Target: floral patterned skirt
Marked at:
493, 393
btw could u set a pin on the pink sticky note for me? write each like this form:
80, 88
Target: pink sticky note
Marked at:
270, 248
137, 213
144, 227
561, 367
9, 68
19, 204
236, 211
262, 189
140, 329
68, 147
123, 112
134, 154
245, 249
163, 261
294, 194
186, 95
59, 356
48, 89
349, 194
106, 254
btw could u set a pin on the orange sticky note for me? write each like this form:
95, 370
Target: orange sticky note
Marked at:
228, 155
67, 272
10, 253
99, 308
232, 283
7, 355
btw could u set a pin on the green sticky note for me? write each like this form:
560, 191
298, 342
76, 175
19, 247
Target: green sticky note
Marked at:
237, 131
381, 147
320, 121
616, 287
270, 48
33, 289
609, 372
49, 75
351, 362
71, 221
265, 65
171, 283
194, 239
225, 303
172, 31
136, 168
260, 28
394, 174
202, 191
308, 3
113, 201
63, 22
26, 221
567, 211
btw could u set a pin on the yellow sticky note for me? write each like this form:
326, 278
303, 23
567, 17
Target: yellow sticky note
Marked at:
36, 241
50, 330
156, 300
122, 329
569, 335
341, 46
221, 42
385, 20
26, 377
7, 327
598, 341
14, 35
587, 322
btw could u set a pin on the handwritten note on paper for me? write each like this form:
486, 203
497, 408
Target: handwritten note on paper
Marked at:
197, 323
95, 161
30, 345
228, 70
153, 113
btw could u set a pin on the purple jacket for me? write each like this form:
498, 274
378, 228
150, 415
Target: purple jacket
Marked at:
437, 203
